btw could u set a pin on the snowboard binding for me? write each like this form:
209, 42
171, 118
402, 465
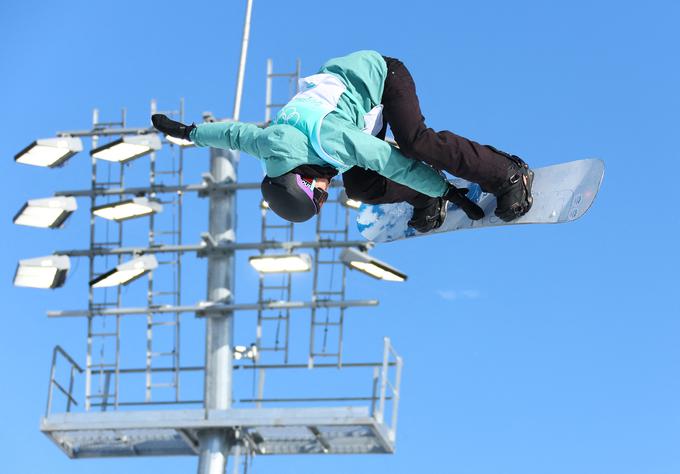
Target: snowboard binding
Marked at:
429, 217
513, 196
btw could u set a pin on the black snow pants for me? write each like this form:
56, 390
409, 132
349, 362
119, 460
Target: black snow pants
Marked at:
442, 150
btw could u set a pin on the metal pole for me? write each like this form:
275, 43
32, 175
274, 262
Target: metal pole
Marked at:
212, 456
163, 188
242, 63
49, 392
223, 247
383, 382
90, 301
268, 92
209, 311
214, 444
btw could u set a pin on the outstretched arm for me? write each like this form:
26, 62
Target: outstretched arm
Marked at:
228, 135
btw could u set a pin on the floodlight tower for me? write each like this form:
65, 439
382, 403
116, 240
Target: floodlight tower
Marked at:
225, 424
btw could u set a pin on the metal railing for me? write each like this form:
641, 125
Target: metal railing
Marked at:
384, 383
68, 393
385, 389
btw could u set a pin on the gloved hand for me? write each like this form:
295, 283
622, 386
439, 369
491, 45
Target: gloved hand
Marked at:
169, 127
458, 197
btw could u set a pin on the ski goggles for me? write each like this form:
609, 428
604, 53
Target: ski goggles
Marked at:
318, 195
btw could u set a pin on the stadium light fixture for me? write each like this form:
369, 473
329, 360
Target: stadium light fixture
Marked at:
127, 209
127, 148
126, 272
358, 260
46, 213
348, 202
49, 152
179, 141
42, 272
285, 263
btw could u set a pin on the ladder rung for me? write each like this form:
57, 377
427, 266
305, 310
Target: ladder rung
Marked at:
329, 292
160, 293
325, 354
162, 354
112, 242
274, 287
167, 262
101, 366
274, 318
332, 231
162, 385
104, 334
166, 232
277, 226
314, 323
103, 395
167, 172
272, 349
165, 323
282, 74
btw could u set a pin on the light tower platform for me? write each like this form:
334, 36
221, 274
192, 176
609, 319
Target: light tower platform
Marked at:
264, 431
342, 425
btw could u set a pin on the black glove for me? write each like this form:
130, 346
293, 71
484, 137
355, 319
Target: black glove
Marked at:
458, 197
169, 127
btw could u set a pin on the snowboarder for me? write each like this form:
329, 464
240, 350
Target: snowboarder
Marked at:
337, 124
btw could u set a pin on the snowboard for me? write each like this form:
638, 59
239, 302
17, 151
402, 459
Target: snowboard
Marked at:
562, 193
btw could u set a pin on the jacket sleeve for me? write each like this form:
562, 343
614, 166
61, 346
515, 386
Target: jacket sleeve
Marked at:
372, 153
229, 135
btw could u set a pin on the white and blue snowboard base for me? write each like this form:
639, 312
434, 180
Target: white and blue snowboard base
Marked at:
562, 193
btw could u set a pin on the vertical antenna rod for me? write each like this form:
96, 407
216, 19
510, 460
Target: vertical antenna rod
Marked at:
242, 63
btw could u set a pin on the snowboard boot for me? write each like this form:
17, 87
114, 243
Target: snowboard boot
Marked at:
170, 127
513, 196
430, 216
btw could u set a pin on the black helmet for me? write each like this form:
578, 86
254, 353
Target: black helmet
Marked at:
293, 197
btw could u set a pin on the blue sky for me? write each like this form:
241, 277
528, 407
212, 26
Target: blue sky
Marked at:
527, 349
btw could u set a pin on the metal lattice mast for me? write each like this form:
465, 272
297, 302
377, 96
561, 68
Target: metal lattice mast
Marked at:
327, 323
163, 330
103, 341
275, 287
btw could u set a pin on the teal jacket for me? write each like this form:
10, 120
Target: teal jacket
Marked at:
324, 124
